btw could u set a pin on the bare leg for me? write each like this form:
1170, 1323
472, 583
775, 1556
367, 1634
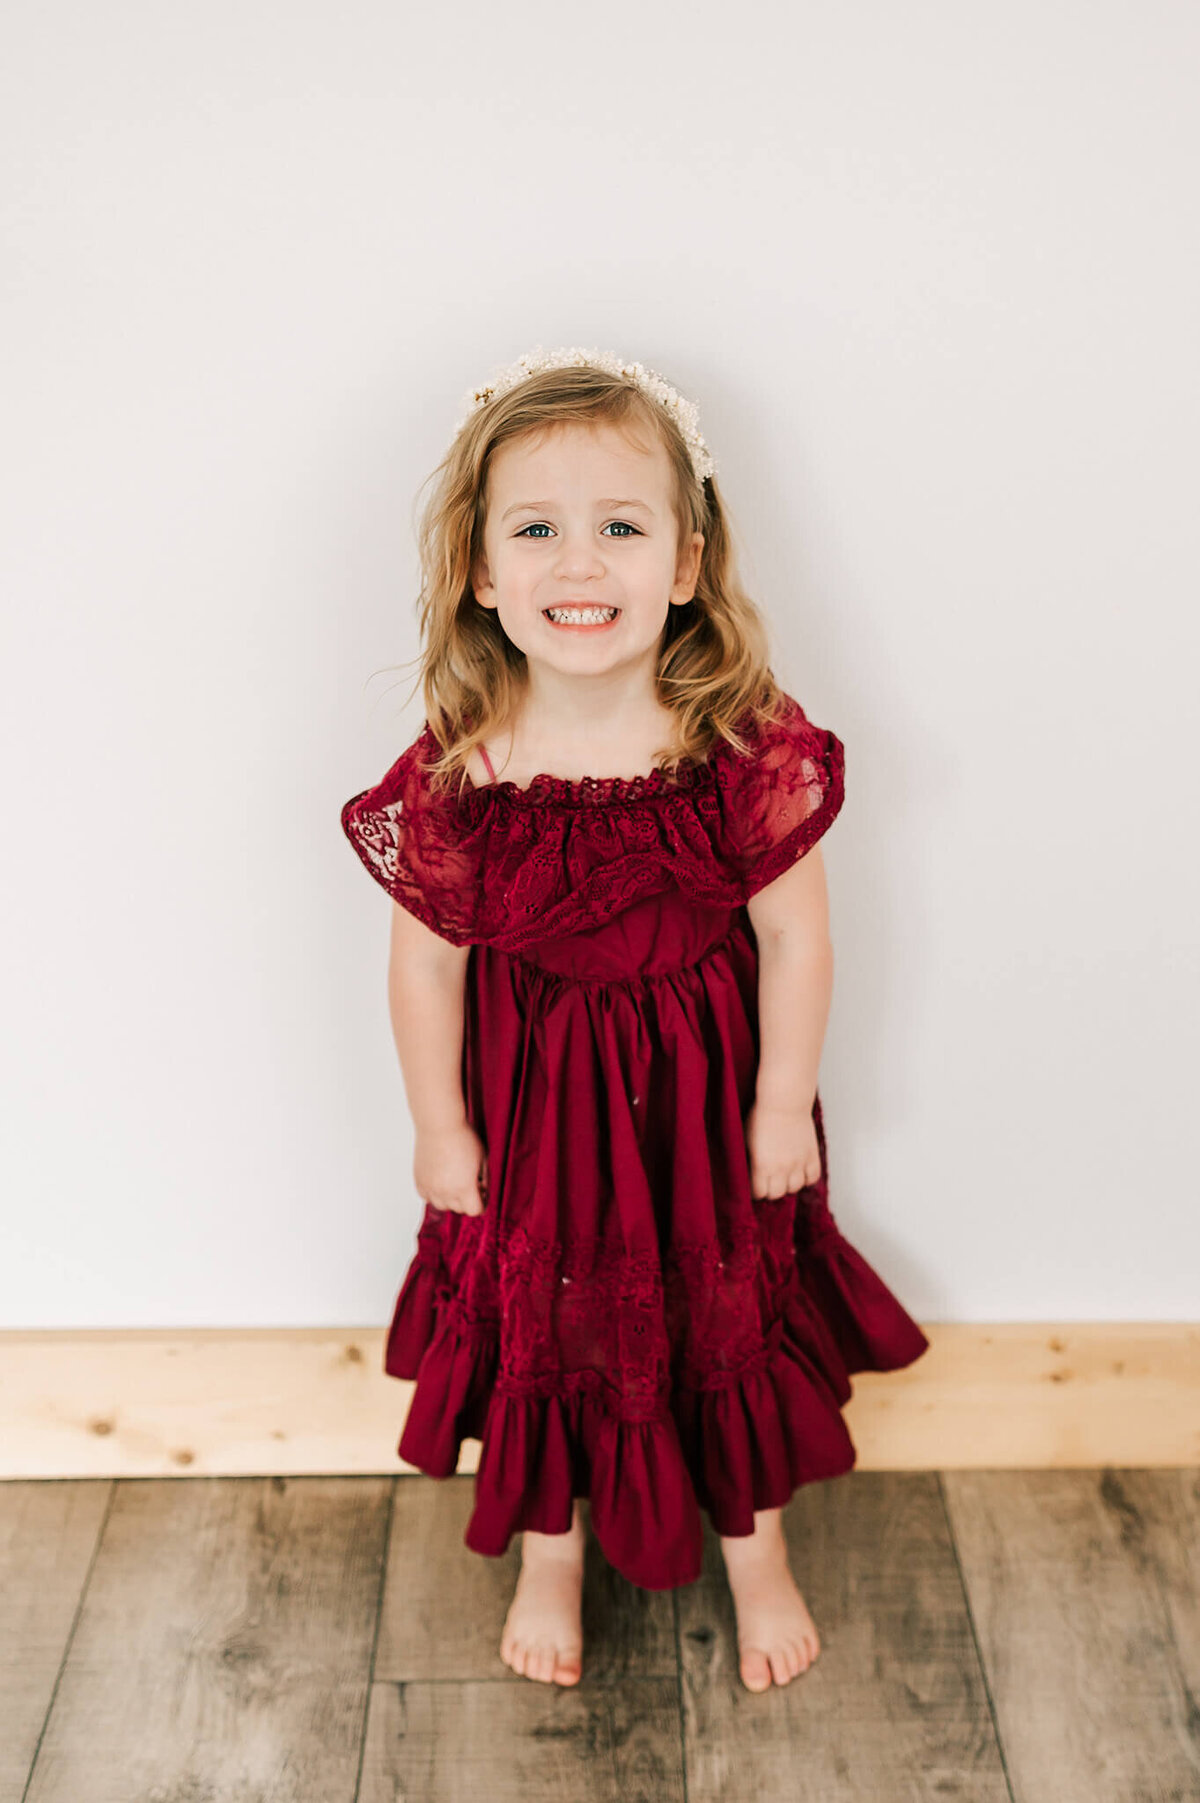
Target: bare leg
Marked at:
777, 1637
543, 1631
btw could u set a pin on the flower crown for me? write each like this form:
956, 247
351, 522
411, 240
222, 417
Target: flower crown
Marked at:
683, 412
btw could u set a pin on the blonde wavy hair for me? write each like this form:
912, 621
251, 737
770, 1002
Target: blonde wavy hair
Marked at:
713, 659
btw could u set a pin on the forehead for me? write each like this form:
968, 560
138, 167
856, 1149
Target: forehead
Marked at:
579, 456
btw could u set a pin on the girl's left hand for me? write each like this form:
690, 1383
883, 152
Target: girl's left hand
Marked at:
784, 1154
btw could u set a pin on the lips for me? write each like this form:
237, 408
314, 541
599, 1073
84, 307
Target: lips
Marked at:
583, 616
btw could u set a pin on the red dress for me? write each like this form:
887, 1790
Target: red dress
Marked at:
623, 1321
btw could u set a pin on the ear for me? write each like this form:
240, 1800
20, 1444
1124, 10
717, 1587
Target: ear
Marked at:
481, 584
688, 569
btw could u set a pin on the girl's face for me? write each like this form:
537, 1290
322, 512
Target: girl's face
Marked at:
582, 519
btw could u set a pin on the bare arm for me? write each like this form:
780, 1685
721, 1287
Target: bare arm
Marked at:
426, 976
790, 918
425, 999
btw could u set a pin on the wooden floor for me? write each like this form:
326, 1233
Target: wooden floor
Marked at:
986, 1635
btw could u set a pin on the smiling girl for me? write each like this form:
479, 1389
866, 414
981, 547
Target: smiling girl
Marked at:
609, 980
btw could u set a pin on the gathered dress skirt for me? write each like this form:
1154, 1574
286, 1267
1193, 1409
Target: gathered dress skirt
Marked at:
625, 1321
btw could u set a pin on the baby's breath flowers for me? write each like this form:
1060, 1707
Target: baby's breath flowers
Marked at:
683, 412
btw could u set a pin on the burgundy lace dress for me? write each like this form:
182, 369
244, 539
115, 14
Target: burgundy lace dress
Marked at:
623, 1321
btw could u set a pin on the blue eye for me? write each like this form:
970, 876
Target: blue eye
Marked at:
537, 524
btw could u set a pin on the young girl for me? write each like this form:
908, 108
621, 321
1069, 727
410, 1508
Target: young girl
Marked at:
609, 979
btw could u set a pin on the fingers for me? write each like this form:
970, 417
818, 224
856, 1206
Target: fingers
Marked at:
771, 1186
459, 1205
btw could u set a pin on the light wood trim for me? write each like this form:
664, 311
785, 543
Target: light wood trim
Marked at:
159, 1403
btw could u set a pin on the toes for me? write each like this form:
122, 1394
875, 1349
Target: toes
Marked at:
755, 1670
778, 1660
542, 1662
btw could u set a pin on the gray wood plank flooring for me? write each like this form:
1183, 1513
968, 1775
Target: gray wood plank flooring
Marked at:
992, 1636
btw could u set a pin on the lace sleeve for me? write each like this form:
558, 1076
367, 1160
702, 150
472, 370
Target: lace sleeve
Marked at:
400, 831
786, 795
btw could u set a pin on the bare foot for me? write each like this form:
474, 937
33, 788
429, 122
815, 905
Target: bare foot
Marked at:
777, 1637
543, 1630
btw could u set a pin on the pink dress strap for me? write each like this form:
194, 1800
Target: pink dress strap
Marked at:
487, 760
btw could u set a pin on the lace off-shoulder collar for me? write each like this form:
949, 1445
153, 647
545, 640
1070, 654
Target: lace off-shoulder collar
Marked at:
546, 790
508, 867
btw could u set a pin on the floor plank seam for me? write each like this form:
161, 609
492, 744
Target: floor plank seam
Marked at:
384, 1567
616, 1681
683, 1771
979, 1660
70, 1639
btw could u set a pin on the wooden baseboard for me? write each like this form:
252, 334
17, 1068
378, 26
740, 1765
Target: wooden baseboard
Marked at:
160, 1403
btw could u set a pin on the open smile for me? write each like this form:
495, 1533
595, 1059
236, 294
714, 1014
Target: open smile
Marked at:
581, 619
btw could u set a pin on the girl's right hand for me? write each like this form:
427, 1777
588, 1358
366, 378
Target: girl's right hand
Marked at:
450, 1169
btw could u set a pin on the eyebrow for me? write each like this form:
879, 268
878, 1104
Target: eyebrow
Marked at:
540, 506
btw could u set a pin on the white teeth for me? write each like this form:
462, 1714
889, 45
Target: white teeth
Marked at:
584, 616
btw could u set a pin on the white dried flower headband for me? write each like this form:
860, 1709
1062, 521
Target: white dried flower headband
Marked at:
683, 412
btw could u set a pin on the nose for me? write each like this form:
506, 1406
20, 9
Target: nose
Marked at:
579, 555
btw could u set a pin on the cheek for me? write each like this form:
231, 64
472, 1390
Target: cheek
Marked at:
654, 570
515, 569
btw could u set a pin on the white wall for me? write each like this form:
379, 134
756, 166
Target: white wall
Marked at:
931, 272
